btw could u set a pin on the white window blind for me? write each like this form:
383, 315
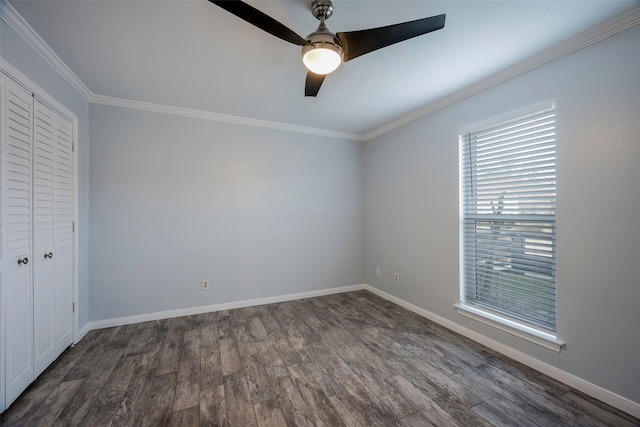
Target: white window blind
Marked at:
508, 199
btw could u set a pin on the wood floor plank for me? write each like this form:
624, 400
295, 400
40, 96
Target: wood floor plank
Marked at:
257, 329
188, 387
292, 405
158, 395
236, 318
261, 385
588, 421
318, 402
244, 340
229, 356
348, 412
268, 414
138, 341
106, 406
86, 363
223, 326
213, 409
103, 366
550, 386
459, 412
416, 420
72, 355
531, 392
211, 368
191, 345
595, 410
152, 355
504, 401
383, 394
170, 357
124, 336
325, 378
427, 407
287, 353
209, 334
269, 322
351, 359
50, 409
186, 418
270, 358
493, 415
133, 403
238, 401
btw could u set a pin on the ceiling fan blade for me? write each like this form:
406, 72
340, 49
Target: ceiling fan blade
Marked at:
313, 83
259, 19
357, 43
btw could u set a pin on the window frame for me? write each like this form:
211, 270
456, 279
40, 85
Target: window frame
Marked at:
492, 317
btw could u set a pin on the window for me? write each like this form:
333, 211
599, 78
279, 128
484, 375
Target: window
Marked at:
507, 236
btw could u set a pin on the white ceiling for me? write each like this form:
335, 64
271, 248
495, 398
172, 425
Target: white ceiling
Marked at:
192, 54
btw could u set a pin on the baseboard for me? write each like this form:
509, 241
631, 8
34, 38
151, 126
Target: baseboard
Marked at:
613, 399
82, 332
119, 321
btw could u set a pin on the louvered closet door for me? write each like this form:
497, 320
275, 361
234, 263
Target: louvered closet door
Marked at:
44, 292
16, 243
63, 233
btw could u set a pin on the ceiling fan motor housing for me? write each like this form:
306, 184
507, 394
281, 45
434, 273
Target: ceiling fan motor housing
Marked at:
322, 8
322, 39
324, 51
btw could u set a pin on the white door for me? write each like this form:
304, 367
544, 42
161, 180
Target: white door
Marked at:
44, 293
2, 342
16, 239
63, 233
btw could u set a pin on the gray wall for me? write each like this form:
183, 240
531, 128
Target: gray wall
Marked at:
15, 51
411, 205
260, 213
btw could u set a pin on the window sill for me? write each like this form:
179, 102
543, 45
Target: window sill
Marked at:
530, 334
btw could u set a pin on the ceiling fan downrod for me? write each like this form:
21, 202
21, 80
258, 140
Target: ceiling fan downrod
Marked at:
323, 52
322, 9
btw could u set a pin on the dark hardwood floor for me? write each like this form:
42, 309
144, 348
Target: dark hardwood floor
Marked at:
349, 359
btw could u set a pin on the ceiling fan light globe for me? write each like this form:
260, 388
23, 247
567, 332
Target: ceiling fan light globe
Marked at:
321, 60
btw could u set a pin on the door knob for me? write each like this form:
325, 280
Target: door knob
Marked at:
49, 255
24, 260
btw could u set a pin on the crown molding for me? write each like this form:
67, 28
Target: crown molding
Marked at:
206, 115
596, 34
9, 15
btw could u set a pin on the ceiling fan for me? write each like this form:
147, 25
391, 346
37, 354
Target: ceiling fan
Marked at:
322, 50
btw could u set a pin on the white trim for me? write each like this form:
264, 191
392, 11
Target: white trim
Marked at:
205, 115
81, 333
521, 331
592, 36
9, 15
496, 121
3, 309
613, 399
21, 79
76, 336
119, 321
609, 397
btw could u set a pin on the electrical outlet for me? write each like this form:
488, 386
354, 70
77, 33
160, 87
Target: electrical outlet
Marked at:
205, 284
378, 272
396, 277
